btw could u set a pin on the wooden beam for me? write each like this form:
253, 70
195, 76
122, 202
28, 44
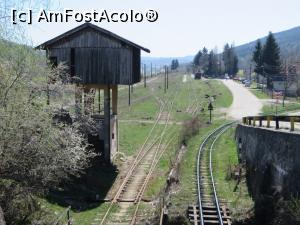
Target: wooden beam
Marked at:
114, 99
96, 86
107, 132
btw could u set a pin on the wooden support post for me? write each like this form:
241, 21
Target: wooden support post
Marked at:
254, 121
68, 217
260, 122
48, 93
115, 112
115, 99
92, 100
292, 119
277, 122
129, 94
78, 99
85, 100
244, 120
106, 133
268, 121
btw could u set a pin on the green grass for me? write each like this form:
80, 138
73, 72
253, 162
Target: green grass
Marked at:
224, 95
142, 110
270, 109
259, 93
133, 135
224, 160
79, 218
187, 171
161, 171
193, 92
186, 93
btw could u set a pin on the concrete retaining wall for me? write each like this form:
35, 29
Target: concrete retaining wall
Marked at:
272, 160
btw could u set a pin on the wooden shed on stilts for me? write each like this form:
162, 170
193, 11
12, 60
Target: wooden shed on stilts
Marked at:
101, 60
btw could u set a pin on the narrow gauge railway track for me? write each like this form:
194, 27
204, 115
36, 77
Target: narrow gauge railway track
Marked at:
209, 209
146, 159
194, 105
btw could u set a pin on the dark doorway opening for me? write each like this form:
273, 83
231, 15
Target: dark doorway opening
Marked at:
72, 63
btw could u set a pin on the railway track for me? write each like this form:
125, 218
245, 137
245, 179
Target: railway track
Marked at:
194, 105
210, 210
129, 195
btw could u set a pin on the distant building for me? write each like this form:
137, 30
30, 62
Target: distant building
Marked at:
289, 83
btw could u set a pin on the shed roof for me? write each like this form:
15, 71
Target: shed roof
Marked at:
94, 27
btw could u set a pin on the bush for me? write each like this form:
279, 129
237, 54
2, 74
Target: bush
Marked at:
190, 128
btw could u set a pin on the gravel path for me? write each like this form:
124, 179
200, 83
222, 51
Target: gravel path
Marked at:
244, 102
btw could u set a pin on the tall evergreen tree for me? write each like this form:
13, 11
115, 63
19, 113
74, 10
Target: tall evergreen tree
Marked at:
204, 59
212, 68
230, 60
174, 64
235, 65
226, 56
257, 58
271, 59
197, 57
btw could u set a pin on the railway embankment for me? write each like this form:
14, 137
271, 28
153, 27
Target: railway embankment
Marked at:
271, 158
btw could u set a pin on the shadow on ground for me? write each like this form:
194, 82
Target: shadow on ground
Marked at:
88, 191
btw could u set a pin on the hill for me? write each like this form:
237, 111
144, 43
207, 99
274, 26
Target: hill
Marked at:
159, 62
289, 43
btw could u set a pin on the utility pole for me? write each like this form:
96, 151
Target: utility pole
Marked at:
165, 84
210, 108
285, 84
151, 71
145, 81
250, 73
263, 75
167, 77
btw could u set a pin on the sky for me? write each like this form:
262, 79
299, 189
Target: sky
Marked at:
183, 27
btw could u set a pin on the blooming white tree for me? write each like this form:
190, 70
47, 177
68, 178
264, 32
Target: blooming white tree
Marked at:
39, 148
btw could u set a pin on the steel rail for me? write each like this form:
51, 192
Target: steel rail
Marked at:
133, 166
211, 173
155, 160
201, 149
138, 158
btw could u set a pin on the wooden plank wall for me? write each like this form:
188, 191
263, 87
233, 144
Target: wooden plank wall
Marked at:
99, 59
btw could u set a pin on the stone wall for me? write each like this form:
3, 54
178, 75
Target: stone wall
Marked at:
272, 162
